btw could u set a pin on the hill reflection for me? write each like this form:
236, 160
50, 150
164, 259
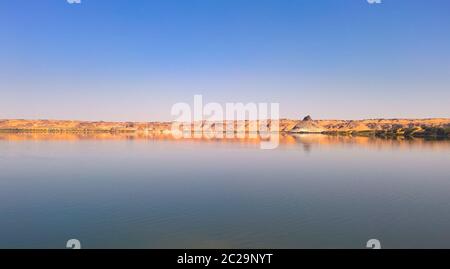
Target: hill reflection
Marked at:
307, 141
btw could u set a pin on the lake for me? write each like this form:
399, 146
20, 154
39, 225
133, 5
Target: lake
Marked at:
313, 191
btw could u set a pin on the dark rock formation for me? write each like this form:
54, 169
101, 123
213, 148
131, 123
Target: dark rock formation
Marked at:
307, 118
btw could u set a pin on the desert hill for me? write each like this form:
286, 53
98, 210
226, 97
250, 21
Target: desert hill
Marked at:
439, 127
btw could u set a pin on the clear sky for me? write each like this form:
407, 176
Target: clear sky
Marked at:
133, 59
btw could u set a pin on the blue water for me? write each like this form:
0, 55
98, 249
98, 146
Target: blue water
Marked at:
313, 191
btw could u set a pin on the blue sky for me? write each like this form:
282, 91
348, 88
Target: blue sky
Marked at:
132, 60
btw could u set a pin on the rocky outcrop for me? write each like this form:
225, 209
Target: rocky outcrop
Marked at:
307, 118
307, 125
436, 127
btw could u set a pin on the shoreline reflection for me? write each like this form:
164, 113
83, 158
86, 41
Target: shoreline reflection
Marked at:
307, 141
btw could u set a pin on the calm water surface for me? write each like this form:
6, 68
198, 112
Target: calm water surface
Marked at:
313, 191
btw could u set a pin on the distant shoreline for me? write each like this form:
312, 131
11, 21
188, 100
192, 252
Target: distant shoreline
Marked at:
433, 127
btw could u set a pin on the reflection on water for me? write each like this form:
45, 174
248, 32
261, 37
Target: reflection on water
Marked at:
147, 191
307, 141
